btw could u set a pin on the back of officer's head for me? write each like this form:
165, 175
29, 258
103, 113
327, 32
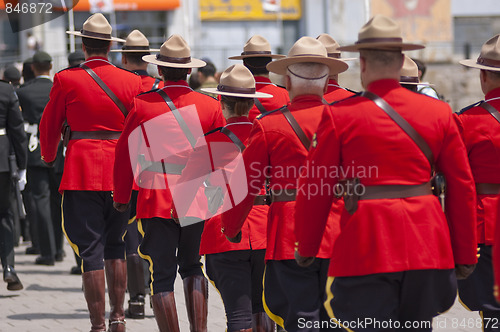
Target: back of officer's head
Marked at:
208, 71
257, 65
42, 63
174, 74
307, 78
96, 46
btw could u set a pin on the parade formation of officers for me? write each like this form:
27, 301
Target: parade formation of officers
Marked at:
316, 208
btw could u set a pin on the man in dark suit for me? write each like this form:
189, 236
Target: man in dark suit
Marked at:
32, 99
11, 134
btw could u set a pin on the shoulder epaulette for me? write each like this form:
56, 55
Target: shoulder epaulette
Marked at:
213, 131
469, 107
356, 94
146, 92
70, 67
260, 116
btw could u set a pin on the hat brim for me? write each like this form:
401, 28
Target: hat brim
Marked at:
381, 46
472, 63
336, 66
136, 51
234, 94
272, 56
194, 63
412, 83
79, 34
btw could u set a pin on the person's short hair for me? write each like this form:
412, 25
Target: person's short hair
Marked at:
257, 65
421, 66
42, 66
237, 105
135, 57
308, 70
382, 59
96, 46
194, 82
75, 58
209, 70
174, 74
27, 72
12, 74
411, 87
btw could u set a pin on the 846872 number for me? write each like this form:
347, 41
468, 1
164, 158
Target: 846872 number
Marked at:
29, 8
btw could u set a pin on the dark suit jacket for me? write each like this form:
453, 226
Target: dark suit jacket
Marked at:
12, 120
32, 99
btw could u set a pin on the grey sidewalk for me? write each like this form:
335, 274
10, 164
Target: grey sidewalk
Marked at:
52, 300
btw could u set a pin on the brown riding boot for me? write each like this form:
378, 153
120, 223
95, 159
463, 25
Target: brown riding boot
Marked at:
262, 323
116, 275
94, 289
136, 288
165, 312
196, 294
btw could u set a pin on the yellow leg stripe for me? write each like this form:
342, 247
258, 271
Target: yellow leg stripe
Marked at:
482, 320
328, 305
213, 284
131, 220
146, 257
463, 304
73, 246
277, 319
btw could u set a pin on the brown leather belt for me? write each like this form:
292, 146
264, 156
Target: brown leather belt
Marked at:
287, 195
99, 134
165, 168
488, 188
261, 200
396, 191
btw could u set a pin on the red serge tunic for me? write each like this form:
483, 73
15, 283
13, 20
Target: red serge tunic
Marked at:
335, 92
389, 235
157, 201
481, 135
264, 84
254, 229
274, 150
76, 98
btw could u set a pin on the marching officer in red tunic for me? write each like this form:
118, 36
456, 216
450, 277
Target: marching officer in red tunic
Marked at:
479, 124
256, 55
93, 99
276, 150
397, 253
334, 91
236, 269
136, 46
153, 147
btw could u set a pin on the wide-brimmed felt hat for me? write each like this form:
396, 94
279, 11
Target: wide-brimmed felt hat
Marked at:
380, 33
332, 47
307, 49
409, 73
237, 81
256, 47
489, 58
174, 53
136, 42
96, 27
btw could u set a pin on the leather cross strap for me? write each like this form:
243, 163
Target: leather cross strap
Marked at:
493, 111
105, 88
396, 191
232, 136
156, 84
259, 106
296, 127
401, 122
178, 117
487, 188
98, 134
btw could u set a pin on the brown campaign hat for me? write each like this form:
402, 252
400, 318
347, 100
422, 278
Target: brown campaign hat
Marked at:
96, 27
307, 49
136, 42
174, 53
380, 33
332, 47
237, 81
409, 73
256, 46
489, 58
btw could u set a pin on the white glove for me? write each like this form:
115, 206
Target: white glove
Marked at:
22, 179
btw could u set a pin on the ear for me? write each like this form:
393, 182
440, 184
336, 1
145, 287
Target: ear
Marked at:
325, 88
124, 59
362, 64
288, 83
483, 76
159, 71
190, 70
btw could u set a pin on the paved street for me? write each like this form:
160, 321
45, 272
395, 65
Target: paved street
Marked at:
52, 300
